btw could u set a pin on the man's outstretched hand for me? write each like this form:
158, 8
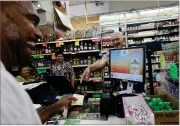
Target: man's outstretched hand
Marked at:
86, 75
57, 107
64, 102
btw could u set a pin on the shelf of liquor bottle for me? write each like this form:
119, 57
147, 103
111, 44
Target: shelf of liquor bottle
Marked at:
107, 32
79, 52
98, 91
153, 20
73, 40
158, 69
151, 35
43, 68
92, 79
155, 55
106, 77
173, 82
151, 28
154, 63
14, 70
42, 54
86, 65
172, 91
172, 87
137, 44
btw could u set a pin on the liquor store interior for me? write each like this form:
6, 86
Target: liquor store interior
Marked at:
90, 62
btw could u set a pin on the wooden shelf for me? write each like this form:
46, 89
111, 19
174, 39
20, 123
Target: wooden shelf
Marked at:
73, 40
79, 52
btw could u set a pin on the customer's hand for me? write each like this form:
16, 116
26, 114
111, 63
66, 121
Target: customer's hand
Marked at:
86, 75
64, 102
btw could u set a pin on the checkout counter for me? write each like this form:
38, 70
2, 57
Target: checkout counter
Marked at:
96, 109
41, 88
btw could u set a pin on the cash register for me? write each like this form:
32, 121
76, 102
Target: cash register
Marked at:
127, 64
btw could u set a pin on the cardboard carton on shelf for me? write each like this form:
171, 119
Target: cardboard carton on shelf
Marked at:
159, 91
167, 117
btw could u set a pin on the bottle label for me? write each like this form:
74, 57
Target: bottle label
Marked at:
46, 50
75, 49
81, 47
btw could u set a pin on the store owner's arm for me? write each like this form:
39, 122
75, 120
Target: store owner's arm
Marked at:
99, 64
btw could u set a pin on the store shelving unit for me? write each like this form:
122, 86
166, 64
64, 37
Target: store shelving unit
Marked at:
159, 31
163, 28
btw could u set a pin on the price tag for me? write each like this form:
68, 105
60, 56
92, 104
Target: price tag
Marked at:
97, 80
43, 70
96, 40
39, 72
77, 43
44, 44
61, 43
53, 56
35, 57
41, 56
58, 44
38, 57
162, 61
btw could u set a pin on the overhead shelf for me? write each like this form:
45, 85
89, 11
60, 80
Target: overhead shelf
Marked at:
42, 55
144, 36
98, 91
152, 28
93, 79
80, 66
43, 68
79, 52
73, 40
138, 44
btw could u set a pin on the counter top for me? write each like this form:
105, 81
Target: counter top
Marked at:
112, 120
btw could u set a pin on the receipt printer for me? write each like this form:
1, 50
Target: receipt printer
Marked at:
105, 104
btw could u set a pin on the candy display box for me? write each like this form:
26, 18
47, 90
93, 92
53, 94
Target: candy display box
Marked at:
137, 112
167, 117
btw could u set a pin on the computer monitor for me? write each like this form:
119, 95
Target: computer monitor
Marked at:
128, 64
61, 84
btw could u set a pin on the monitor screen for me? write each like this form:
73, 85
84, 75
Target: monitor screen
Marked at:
128, 64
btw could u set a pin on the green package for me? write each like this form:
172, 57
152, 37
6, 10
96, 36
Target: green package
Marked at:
72, 122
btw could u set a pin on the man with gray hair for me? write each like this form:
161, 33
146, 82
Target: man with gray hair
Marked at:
118, 42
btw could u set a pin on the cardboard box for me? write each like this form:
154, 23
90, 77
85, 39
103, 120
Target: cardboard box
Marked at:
159, 91
167, 118
135, 100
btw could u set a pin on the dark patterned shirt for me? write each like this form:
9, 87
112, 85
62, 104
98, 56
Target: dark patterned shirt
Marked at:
65, 70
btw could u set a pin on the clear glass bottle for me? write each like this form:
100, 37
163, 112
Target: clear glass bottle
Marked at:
75, 48
77, 62
49, 50
94, 59
46, 50
85, 46
89, 60
71, 48
81, 46
90, 46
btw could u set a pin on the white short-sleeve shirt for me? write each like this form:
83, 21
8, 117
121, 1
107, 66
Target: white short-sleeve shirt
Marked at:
16, 105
